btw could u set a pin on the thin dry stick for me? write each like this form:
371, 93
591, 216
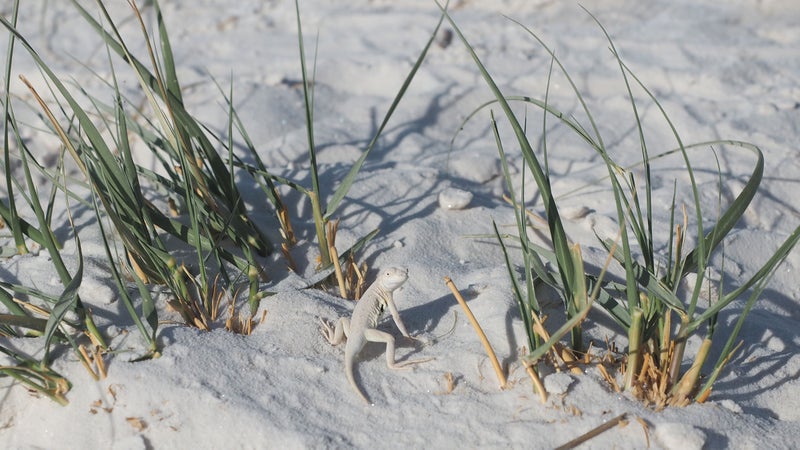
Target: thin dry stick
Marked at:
594, 432
486, 345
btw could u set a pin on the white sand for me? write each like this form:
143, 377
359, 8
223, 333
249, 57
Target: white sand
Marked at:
720, 70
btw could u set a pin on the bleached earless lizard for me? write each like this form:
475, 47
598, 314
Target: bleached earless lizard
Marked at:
361, 327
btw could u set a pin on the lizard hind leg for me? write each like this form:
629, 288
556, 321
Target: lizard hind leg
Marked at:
335, 334
373, 335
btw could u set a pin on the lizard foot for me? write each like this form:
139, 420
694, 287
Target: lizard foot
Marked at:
327, 330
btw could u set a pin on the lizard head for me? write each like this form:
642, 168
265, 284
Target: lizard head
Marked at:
393, 277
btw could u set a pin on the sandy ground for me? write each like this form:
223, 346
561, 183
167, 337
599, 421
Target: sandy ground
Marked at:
720, 71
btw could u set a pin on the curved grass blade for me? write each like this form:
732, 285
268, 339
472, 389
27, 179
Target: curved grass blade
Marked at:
348, 180
557, 233
68, 301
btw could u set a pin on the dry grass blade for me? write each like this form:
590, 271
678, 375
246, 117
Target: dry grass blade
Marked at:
481, 335
334, 254
593, 432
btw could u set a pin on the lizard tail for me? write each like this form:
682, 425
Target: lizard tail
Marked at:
348, 370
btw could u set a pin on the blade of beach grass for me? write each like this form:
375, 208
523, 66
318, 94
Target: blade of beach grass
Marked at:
8, 301
730, 347
149, 311
703, 252
757, 279
524, 308
566, 119
12, 216
170, 74
558, 236
530, 305
182, 131
643, 226
315, 193
321, 216
347, 181
68, 301
36, 377
613, 170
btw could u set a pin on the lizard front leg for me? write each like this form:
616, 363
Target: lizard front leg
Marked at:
373, 335
335, 335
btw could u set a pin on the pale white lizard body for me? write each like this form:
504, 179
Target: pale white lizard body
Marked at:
361, 327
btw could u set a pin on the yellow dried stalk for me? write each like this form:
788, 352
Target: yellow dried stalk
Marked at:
332, 227
619, 420
481, 335
537, 382
86, 361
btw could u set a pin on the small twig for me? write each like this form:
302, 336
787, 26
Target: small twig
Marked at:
497, 368
593, 432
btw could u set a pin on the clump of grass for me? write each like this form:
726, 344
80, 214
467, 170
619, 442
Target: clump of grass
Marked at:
29, 311
191, 202
197, 175
646, 304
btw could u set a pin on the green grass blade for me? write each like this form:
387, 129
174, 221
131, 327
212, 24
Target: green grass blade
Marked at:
644, 225
732, 214
148, 307
8, 301
557, 233
613, 169
170, 74
307, 104
40, 379
347, 181
68, 301
764, 272
524, 309
12, 217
